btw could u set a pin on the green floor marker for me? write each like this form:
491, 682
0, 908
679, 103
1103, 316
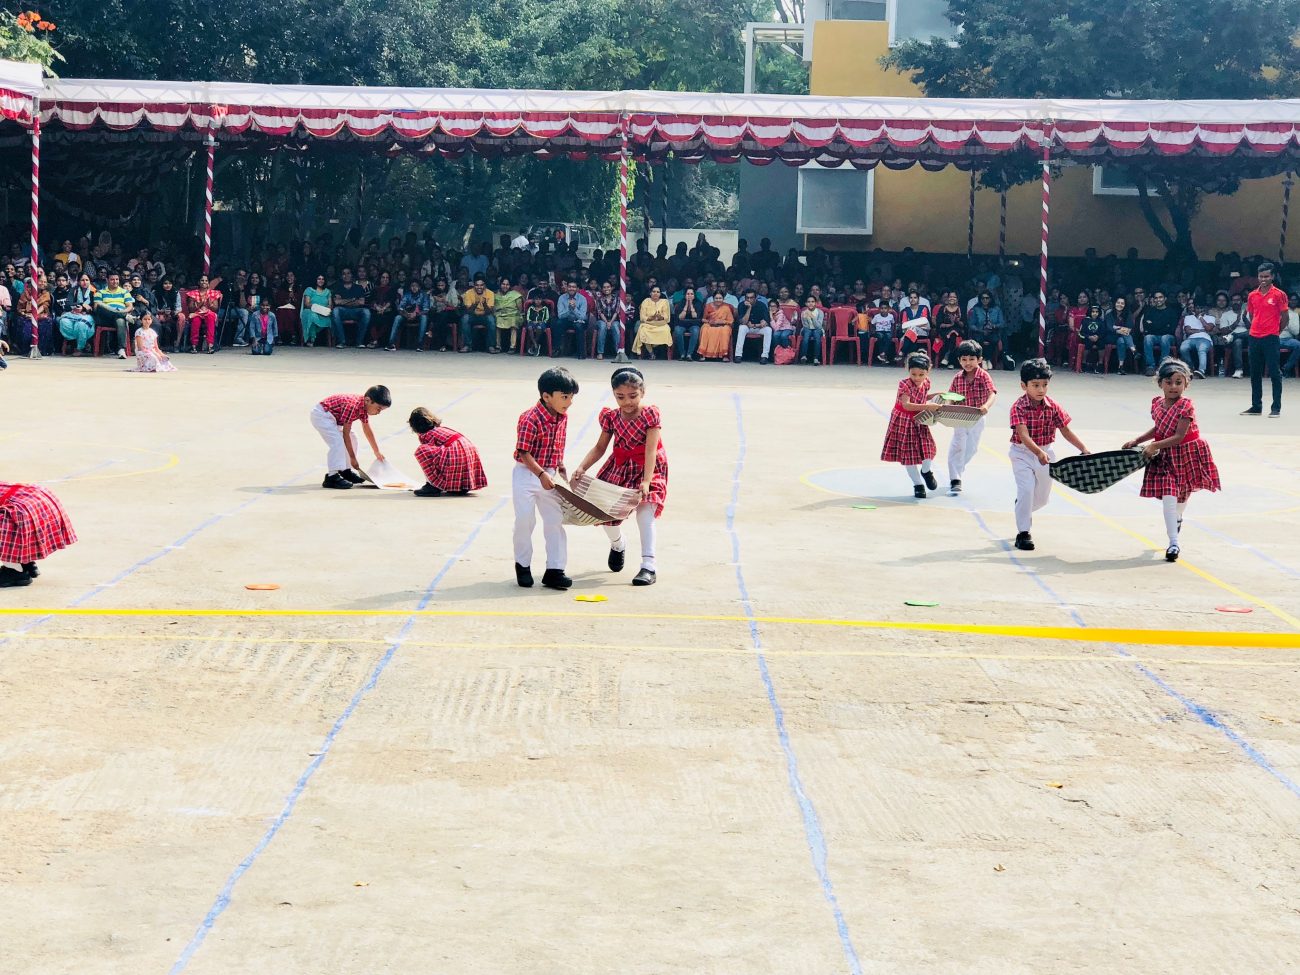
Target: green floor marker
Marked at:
920, 602
864, 507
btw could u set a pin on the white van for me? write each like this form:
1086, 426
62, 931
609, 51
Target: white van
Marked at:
587, 238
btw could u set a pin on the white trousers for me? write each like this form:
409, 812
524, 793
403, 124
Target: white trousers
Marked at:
645, 526
530, 500
965, 444
330, 431
1033, 484
742, 333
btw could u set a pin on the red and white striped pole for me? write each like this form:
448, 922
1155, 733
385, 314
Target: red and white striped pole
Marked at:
970, 220
1042, 266
1286, 214
625, 148
211, 143
1002, 224
34, 268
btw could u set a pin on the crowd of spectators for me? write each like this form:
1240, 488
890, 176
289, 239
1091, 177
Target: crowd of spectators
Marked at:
540, 298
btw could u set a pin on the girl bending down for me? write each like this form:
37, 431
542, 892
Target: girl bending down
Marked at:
450, 462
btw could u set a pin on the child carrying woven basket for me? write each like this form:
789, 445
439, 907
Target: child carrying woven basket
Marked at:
639, 462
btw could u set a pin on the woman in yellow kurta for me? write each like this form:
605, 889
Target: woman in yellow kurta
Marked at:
716, 335
653, 329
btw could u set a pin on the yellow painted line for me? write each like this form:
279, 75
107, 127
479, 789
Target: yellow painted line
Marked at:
1069, 634
1107, 659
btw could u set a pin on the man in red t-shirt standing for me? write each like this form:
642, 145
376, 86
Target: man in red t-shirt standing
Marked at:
1264, 310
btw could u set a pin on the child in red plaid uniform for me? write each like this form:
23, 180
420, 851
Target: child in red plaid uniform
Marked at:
539, 455
906, 441
333, 418
1182, 460
33, 525
1035, 418
450, 462
977, 387
639, 461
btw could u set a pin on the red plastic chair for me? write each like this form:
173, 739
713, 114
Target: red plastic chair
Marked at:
523, 325
1105, 358
842, 332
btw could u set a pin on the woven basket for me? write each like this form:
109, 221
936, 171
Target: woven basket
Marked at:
589, 501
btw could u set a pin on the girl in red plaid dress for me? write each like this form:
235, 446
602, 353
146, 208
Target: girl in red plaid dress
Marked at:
450, 462
33, 524
906, 441
639, 461
1182, 460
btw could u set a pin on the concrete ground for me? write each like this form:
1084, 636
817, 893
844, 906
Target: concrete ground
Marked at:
400, 762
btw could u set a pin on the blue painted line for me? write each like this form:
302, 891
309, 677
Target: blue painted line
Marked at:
81, 473
1197, 710
1237, 543
812, 826
291, 801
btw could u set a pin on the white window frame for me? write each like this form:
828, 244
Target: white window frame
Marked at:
1100, 189
869, 222
891, 17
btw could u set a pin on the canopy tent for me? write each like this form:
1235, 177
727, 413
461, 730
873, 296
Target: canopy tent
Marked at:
1257, 136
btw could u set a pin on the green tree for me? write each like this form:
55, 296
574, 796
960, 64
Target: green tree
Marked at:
1159, 49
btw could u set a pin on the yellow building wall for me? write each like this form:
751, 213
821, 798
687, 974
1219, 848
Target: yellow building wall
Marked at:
928, 211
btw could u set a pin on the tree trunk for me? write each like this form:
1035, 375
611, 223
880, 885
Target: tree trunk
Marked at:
1180, 199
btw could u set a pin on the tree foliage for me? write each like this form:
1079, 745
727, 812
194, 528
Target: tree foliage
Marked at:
1157, 49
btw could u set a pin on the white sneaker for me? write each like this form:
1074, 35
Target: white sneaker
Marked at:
121, 353
1237, 374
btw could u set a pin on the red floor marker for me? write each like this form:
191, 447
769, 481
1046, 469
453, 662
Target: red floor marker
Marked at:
263, 586
1234, 609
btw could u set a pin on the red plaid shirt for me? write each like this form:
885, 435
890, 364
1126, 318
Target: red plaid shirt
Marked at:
542, 433
977, 390
1042, 422
346, 408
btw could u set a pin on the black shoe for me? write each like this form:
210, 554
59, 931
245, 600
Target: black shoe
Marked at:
646, 577
336, 482
617, 560
523, 576
918, 491
1252, 412
1276, 412
1171, 553
428, 491
352, 476
1025, 542
31, 569
954, 487
12, 578
931, 481
556, 579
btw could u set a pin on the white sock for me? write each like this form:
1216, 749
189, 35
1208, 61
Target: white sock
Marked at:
1182, 506
1170, 506
645, 523
925, 466
12, 565
914, 473
615, 533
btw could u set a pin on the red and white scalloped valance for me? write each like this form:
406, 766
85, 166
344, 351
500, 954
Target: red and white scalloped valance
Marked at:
760, 129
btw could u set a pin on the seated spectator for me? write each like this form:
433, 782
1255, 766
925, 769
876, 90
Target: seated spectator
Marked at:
199, 308
752, 318
571, 313
1092, 339
884, 322
477, 305
412, 310
1197, 342
286, 296
382, 305
653, 330
167, 317
914, 320
1238, 330
317, 311
784, 315
688, 316
1290, 340
988, 328
112, 304
1158, 327
715, 334
77, 323
444, 314
1119, 334
263, 329
148, 356
35, 321
349, 307
233, 307
537, 322
608, 320
812, 321
949, 331
509, 312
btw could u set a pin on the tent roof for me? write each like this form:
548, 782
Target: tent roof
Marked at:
831, 131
